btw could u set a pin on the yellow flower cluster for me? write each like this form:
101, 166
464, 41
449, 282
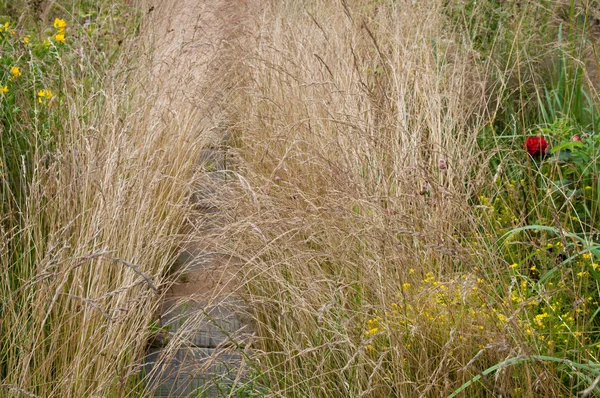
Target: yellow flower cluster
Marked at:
484, 200
44, 96
539, 319
60, 25
15, 72
452, 311
457, 308
6, 28
373, 326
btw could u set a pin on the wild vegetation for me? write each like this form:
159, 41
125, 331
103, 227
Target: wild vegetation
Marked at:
91, 198
416, 214
421, 215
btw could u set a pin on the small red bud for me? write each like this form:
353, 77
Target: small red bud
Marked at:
576, 138
442, 164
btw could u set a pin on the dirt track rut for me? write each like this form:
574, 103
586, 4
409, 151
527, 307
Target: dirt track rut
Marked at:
201, 348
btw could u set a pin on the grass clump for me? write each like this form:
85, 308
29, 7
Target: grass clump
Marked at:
399, 239
87, 222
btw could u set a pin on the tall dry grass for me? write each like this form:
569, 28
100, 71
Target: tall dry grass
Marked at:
356, 126
359, 126
83, 271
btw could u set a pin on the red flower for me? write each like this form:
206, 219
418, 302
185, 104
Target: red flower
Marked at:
576, 138
536, 146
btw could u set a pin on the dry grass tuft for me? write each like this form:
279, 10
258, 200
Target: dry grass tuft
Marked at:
100, 228
359, 125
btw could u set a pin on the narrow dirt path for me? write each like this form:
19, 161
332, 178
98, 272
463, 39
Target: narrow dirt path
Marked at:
200, 349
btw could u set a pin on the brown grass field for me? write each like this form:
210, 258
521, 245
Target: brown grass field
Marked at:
392, 234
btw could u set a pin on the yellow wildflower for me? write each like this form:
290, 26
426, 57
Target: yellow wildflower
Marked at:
515, 297
515, 265
44, 94
406, 286
15, 72
13, 32
539, 319
60, 25
26, 40
533, 268
587, 256
60, 38
595, 266
4, 89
